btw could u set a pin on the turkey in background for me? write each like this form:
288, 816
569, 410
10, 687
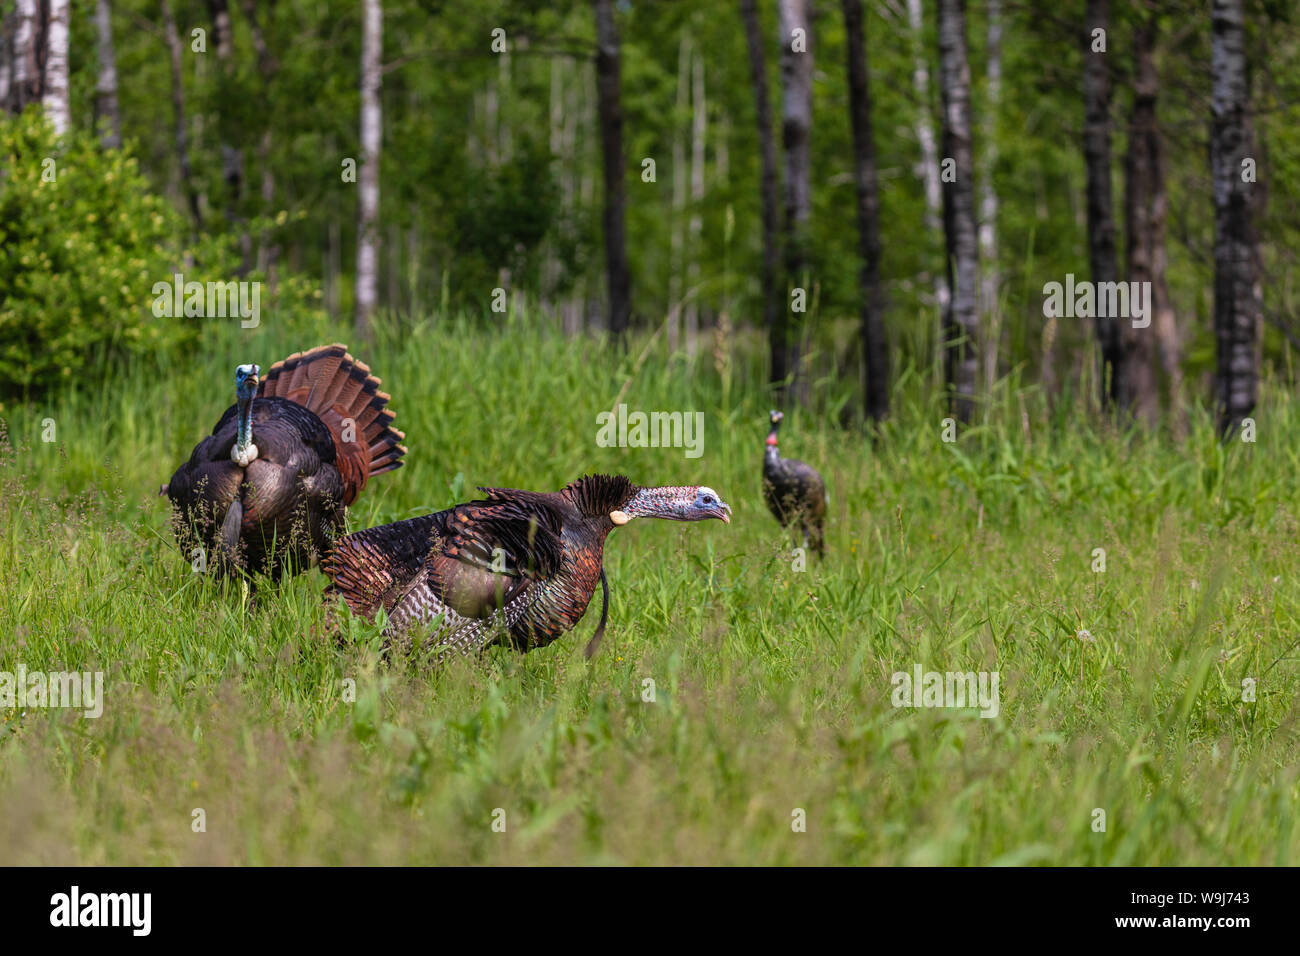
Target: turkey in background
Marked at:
794, 491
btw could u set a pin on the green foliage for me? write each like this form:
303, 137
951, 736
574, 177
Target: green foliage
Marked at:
464, 195
503, 223
83, 238
773, 686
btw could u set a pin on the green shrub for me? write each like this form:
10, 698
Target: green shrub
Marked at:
82, 241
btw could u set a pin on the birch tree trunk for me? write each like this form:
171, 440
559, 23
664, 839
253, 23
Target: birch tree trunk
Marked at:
54, 93
611, 137
6, 59
1237, 296
1144, 226
924, 127
962, 319
367, 282
1101, 215
990, 307
875, 350
769, 280
796, 127
107, 117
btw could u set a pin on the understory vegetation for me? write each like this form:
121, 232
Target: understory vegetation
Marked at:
1120, 690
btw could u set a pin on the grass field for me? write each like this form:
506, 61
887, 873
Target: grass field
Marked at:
772, 686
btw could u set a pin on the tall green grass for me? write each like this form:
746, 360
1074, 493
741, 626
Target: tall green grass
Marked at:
771, 686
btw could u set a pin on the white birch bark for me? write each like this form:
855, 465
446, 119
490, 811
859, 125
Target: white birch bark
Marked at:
372, 20
54, 97
924, 128
106, 111
988, 237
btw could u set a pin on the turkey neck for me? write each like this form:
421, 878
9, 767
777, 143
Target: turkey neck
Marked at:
245, 438
660, 502
772, 455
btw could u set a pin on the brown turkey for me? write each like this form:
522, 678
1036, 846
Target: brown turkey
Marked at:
266, 491
516, 567
794, 491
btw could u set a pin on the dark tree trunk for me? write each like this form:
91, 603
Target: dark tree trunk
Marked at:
107, 117
961, 321
1144, 226
184, 172
1102, 259
796, 129
769, 195
875, 350
611, 141
677, 240
232, 157
695, 227
1236, 264
267, 251
24, 68
1164, 321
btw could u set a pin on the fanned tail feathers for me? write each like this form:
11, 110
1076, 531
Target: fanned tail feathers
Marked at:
339, 389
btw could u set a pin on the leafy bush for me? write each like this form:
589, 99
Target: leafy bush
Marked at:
83, 239
506, 218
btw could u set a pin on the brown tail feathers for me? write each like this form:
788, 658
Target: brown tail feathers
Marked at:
346, 397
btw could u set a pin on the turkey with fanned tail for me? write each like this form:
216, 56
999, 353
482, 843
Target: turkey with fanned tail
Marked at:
266, 491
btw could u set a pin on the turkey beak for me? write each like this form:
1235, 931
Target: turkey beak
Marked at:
725, 513
619, 517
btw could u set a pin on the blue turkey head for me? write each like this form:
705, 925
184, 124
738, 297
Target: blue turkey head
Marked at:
246, 381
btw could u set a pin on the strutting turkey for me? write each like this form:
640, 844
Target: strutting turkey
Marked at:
516, 567
266, 491
793, 490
